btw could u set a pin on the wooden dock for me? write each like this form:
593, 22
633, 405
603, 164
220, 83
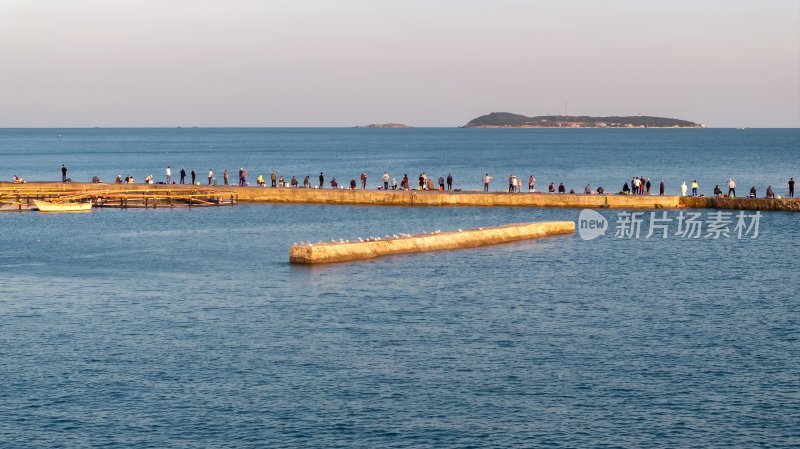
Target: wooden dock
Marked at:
20, 197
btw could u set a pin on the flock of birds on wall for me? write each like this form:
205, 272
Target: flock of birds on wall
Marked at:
374, 239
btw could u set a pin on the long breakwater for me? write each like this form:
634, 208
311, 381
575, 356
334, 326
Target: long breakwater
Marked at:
408, 198
320, 253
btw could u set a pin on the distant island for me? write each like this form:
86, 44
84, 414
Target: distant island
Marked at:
509, 120
384, 125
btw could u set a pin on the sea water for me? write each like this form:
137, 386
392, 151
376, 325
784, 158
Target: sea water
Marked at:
576, 157
188, 328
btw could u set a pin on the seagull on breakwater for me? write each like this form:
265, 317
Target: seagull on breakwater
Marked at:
459, 230
360, 239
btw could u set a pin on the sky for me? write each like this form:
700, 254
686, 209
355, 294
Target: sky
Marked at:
138, 63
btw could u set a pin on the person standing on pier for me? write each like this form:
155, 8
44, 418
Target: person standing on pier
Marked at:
449, 182
168, 174
648, 185
385, 180
512, 183
731, 188
661, 188
695, 186
422, 181
486, 180
183, 175
321, 180
441, 183
683, 188
404, 183
363, 180
531, 182
394, 184
225, 176
791, 187
274, 178
306, 182
210, 175
194, 176
63, 173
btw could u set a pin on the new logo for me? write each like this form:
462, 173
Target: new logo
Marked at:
591, 224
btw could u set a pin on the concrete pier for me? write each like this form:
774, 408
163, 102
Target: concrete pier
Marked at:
378, 197
425, 198
471, 238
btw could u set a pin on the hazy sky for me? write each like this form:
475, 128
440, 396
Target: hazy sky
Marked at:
421, 62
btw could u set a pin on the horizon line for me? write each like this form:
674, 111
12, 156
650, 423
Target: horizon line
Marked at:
363, 127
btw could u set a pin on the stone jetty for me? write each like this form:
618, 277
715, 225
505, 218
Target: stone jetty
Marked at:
421, 198
361, 249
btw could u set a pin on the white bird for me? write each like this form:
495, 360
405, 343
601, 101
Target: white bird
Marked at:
360, 239
459, 230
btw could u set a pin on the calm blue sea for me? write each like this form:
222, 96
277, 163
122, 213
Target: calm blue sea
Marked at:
600, 157
188, 328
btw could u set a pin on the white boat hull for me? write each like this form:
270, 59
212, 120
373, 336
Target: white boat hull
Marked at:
47, 206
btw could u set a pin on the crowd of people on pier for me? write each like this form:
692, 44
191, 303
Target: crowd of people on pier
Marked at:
639, 185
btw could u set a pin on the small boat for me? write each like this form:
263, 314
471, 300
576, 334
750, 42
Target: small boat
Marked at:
47, 206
